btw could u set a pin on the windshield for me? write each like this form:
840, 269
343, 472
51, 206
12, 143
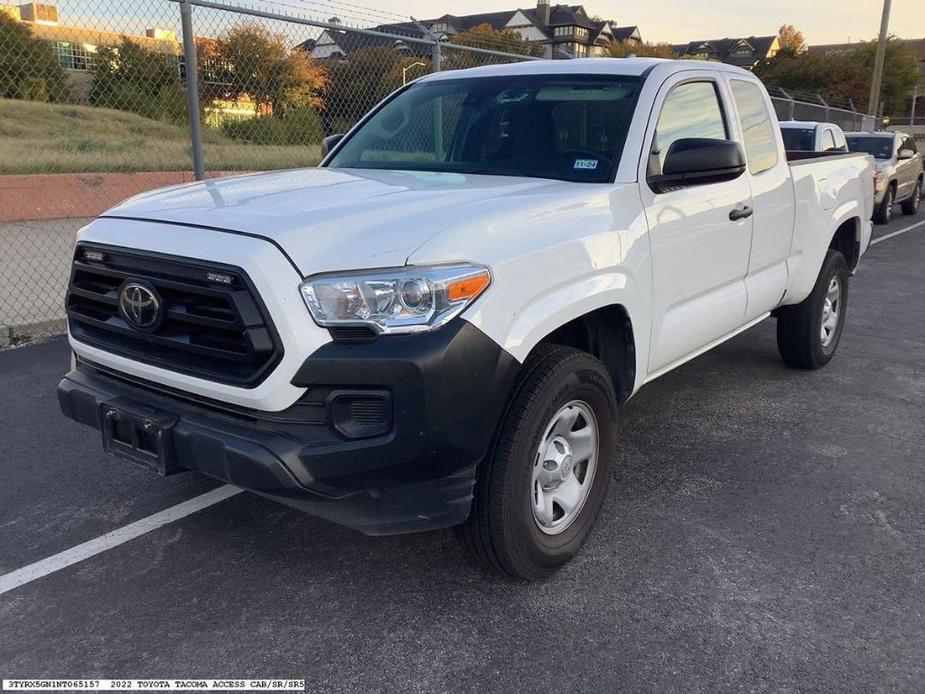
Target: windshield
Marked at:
880, 147
565, 127
799, 139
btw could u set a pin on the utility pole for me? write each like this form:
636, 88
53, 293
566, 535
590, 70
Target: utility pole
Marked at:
874, 101
915, 93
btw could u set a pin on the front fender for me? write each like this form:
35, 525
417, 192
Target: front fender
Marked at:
518, 330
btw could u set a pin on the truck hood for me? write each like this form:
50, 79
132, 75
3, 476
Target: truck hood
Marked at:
341, 219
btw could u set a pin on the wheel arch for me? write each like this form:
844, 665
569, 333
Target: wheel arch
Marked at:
607, 334
847, 239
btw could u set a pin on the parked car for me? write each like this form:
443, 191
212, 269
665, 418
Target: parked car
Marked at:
439, 325
899, 177
811, 136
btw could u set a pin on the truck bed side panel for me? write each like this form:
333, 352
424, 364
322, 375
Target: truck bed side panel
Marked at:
828, 192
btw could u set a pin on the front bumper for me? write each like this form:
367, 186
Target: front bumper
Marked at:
445, 392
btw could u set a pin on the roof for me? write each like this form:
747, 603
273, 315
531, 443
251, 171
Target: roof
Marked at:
496, 20
582, 66
623, 33
559, 15
722, 48
350, 42
73, 34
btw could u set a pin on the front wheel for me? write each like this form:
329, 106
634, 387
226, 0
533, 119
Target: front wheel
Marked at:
809, 332
539, 492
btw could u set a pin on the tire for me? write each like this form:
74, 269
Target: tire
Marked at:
911, 206
504, 530
801, 339
884, 212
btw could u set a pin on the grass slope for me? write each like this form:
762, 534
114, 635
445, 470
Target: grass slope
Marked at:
56, 138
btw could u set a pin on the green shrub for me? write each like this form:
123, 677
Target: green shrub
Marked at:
28, 66
297, 126
129, 77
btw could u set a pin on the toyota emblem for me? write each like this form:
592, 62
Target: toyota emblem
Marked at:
139, 306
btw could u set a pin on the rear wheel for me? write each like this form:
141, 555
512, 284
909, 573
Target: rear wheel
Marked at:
539, 491
884, 212
809, 332
911, 206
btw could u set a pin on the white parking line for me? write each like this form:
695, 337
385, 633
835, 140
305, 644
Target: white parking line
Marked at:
896, 233
59, 561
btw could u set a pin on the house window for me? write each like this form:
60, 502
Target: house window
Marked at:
564, 31
581, 32
579, 50
75, 56
84, 56
439, 27
741, 52
65, 57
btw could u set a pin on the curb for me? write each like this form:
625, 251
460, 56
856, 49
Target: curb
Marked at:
11, 335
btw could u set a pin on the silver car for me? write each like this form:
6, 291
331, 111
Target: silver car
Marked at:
899, 171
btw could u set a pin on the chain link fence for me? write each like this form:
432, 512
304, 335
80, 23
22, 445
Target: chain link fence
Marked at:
791, 105
95, 107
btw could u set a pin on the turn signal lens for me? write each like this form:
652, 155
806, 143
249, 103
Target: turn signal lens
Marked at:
468, 288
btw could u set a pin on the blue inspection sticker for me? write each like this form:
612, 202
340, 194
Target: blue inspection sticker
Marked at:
585, 164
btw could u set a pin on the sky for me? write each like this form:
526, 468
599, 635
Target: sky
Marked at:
676, 21
673, 21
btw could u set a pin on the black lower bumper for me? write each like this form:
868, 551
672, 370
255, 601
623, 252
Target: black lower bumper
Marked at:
412, 469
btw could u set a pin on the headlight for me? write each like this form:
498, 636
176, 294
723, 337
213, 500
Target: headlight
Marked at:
403, 300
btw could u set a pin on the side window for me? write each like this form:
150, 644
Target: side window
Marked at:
840, 143
757, 127
908, 144
690, 110
828, 141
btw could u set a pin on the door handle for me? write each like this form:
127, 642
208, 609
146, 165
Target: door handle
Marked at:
743, 212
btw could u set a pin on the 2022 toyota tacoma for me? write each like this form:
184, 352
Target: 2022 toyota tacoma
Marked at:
439, 325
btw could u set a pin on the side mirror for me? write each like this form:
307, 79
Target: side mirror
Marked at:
906, 154
695, 161
329, 143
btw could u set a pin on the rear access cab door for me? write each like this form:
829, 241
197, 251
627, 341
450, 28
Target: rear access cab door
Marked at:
768, 177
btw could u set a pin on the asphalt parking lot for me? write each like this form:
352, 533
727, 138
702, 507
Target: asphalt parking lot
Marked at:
765, 531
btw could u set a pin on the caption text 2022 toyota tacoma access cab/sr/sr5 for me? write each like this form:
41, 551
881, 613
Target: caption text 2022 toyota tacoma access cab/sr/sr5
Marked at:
437, 327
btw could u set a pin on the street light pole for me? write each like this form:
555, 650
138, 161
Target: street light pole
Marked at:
874, 101
404, 72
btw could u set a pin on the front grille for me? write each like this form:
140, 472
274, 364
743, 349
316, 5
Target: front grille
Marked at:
213, 325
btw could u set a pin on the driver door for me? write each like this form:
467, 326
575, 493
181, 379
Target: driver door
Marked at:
700, 235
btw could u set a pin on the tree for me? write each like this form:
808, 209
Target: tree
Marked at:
835, 77
29, 68
791, 39
900, 74
845, 75
622, 49
358, 83
130, 77
484, 36
255, 63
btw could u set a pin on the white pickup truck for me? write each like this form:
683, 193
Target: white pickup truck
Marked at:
439, 325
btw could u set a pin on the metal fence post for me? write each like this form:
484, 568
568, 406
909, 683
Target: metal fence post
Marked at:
192, 88
436, 58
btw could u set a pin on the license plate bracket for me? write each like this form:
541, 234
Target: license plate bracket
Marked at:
139, 434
